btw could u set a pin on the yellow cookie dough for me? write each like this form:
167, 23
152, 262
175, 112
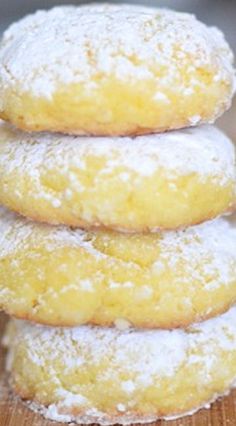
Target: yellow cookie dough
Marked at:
151, 182
65, 277
101, 375
113, 70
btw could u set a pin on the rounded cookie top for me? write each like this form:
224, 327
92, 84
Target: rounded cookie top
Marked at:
90, 45
145, 347
210, 245
150, 182
126, 42
162, 280
133, 363
204, 150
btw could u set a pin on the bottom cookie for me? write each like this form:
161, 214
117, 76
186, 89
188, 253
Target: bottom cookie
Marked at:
107, 376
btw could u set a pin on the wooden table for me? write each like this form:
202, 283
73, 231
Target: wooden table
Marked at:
14, 413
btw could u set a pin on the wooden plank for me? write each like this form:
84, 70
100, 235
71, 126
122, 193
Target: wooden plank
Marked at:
14, 413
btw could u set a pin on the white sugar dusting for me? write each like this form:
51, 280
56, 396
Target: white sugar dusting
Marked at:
144, 357
76, 44
17, 233
94, 416
204, 150
207, 250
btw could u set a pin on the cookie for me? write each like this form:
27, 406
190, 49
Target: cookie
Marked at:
115, 70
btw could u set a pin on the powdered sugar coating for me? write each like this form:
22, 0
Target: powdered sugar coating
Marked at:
19, 234
124, 183
172, 278
211, 244
204, 150
93, 40
52, 413
143, 359
111, 182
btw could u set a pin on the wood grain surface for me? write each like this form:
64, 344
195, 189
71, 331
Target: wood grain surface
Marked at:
14, 413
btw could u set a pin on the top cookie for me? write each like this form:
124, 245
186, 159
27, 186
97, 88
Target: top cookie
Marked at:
113, 70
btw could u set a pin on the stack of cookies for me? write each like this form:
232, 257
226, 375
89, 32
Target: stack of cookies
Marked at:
113, 257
